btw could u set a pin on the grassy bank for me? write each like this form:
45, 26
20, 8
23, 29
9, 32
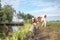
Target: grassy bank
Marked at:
53, 29
19, 34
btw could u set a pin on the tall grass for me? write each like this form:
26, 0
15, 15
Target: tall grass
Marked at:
21, 33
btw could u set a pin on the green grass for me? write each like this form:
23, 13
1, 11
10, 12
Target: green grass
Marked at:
55, 25
21, 33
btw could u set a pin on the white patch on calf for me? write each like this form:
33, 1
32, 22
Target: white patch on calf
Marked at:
43, 20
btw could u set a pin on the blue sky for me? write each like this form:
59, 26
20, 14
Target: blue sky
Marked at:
35, 7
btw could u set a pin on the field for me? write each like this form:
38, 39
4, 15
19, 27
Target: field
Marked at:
51, 32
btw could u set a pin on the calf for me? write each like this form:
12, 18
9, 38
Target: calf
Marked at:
39, 20
36, 22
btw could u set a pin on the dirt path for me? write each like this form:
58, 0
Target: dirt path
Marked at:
43, 34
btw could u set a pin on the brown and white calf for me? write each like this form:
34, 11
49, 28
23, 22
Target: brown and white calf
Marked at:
36, 22
40, 20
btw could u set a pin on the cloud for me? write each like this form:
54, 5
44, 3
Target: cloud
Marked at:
42, 2
52, 1
50, 11
10, 2
14, 3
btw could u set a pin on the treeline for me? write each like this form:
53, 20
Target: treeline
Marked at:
25, 16
6, 14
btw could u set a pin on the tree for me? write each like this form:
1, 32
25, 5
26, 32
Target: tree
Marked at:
6, 14
28, 16
0, 4
22, 15
0, 11
25, 16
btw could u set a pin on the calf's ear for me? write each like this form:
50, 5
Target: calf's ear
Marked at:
45, 16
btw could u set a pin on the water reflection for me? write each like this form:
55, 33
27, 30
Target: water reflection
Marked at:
15, 28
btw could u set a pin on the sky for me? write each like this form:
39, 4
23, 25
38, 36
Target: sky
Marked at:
36, 7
